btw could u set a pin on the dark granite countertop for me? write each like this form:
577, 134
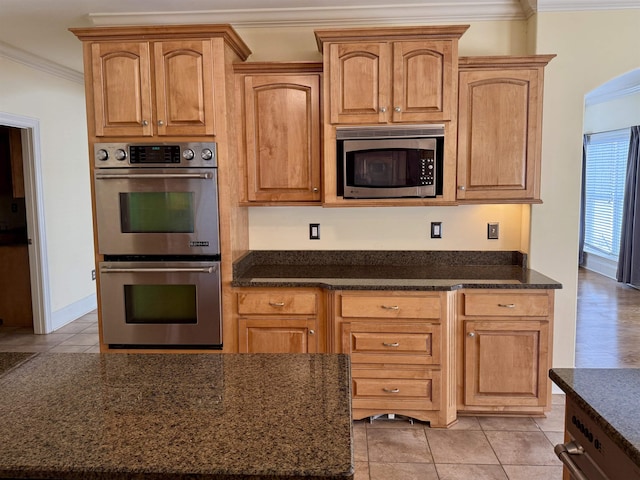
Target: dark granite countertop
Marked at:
176, 416
388, 270
611, 399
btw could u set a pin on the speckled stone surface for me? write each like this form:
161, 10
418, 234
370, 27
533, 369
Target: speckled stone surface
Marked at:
611, 398
388, 270
173, 416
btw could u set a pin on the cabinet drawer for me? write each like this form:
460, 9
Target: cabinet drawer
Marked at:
507, 304
391, 342
277, 303
391, 387
388, 306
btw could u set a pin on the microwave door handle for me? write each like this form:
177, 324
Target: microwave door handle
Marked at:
158, 270
159, 176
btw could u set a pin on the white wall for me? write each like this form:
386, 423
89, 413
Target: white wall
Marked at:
58, 105
592, 48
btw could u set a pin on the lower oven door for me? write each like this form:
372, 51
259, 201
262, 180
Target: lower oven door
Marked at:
167, 304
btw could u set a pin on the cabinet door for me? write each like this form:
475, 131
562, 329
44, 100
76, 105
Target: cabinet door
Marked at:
506, 363
282, 119
184, 87
121, 89
422, 80
360, 80
281, 335
499, 122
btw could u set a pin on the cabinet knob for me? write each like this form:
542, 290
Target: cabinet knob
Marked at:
462, 187
312, 332
160, 123
398, 109
315, 189
383, 109
144, 123
472, 334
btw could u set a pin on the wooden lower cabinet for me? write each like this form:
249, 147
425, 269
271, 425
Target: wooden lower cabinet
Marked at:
504, 343
280, 320
401, 362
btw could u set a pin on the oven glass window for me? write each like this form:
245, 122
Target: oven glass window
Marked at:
160, 304
384, 168
157, 212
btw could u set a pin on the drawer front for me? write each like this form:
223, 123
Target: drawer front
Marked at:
506, 304
391, 342
277, 303
391, 388
388, 306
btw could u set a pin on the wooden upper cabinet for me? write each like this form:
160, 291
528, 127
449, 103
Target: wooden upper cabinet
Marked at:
391, 75
123, 86
500, 128
281, 134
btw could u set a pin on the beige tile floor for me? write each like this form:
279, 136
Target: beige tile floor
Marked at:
476, 448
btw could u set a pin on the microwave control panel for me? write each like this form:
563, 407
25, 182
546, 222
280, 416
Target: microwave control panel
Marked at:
427, 168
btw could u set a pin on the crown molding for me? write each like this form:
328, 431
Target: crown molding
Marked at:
401, 14
577, 5
38, 63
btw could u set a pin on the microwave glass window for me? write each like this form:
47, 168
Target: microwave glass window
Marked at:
385, 168
157, 212
164, 304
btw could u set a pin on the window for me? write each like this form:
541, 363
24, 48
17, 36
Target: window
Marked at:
606, 167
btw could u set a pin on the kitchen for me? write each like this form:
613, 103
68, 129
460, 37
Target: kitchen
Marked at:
552, 237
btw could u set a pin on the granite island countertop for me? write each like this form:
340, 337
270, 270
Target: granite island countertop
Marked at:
610, 397
388, 270
175, 416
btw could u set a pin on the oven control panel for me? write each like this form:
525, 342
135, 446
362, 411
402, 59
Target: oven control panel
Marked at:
149, 155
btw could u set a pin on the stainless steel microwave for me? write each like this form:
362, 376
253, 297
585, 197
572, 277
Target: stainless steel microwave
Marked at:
390, 162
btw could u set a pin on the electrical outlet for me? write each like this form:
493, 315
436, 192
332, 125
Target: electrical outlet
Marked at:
493, 231
93, 274
436, 229
314, 231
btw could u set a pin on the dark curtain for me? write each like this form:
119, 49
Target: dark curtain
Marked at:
629, 259
583, 200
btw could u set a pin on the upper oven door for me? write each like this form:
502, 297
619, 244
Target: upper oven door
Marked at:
157, 211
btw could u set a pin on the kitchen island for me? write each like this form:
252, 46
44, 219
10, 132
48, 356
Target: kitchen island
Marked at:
601, 421
175, 416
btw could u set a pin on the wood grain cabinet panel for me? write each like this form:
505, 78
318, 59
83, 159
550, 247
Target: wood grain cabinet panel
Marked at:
500, 128
131, 101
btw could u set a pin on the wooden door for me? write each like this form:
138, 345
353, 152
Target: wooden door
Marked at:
499, 121
121, 89
422, 81
282, 128
184, 87
360, 80
506, 363
277, 335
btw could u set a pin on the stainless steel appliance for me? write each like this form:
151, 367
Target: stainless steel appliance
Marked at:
390, 162
157, 228
590, 454
156, 199
167, 303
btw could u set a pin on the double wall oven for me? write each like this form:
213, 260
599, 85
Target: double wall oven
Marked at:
157, 230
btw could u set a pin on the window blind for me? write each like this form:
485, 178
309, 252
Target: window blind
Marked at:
606, 166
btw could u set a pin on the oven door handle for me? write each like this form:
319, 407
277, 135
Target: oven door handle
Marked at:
158, 270
564, 452
158, 176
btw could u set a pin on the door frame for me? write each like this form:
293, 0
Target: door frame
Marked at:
34, 203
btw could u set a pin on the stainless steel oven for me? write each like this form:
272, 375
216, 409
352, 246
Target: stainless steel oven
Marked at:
157, 229
156, 199
151, 303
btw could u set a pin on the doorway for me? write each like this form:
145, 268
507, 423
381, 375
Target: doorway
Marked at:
24, 136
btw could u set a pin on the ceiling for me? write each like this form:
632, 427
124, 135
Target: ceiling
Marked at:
36, 31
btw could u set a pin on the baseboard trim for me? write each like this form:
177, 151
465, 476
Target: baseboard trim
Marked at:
72, 312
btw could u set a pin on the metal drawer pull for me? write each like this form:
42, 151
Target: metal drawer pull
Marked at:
507, 305
276, 304
391, 390
390, 307
394, 344
564, 453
